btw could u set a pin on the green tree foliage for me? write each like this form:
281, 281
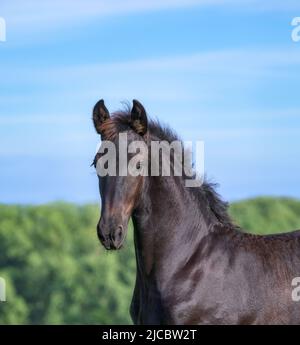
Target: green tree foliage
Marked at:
266, 215
56, 271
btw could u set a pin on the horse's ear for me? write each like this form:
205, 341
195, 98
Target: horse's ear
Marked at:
139, 120
100, 115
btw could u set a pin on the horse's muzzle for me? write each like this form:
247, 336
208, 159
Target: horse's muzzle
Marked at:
111, 238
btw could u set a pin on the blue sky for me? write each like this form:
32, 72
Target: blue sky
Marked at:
226, 72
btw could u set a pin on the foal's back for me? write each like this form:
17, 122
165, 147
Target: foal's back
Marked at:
239, 278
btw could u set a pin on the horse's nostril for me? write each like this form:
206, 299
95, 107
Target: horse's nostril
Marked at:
116, 236
101, 238
119, 232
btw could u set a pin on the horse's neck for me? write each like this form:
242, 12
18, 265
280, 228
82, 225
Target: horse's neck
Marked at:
167, 220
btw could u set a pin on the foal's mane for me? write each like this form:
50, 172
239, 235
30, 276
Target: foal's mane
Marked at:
120, 121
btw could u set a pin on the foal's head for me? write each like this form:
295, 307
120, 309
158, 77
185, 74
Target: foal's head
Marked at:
119, 191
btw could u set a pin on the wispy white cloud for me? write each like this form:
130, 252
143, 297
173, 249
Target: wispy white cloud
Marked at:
59, 12
218, 61
41, 119
52, 14
211, 88
202, 76
242, 132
